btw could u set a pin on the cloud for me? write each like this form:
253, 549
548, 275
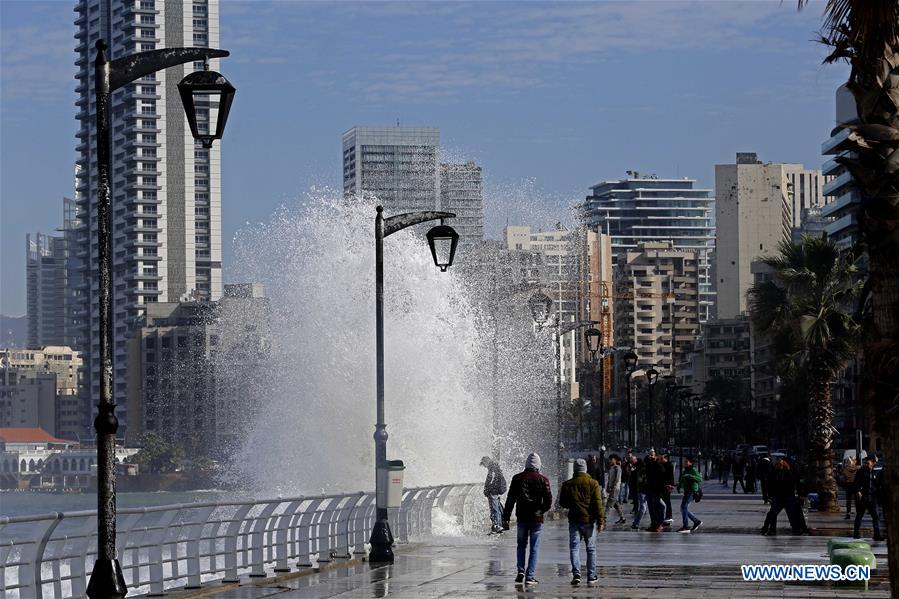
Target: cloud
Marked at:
447, 50
38, 64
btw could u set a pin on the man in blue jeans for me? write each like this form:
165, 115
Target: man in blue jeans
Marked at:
531, 496
582, 498
494, 487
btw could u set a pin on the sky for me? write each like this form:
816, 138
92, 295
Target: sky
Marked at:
550, 98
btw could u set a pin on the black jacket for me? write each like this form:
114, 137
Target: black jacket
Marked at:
669, 473
781, 483
496, 482
530, 495
868, 483
655, 477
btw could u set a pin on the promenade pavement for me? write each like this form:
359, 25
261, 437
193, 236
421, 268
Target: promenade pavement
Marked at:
632, 564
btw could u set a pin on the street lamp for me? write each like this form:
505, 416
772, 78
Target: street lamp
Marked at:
442, 240
106, 579
652, 376
593, 341
630, 364
208, 89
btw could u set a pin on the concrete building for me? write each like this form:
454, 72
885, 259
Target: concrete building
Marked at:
644, 208
195, 368
764, 381
45, 277
461, 193
398, 165
843, 198
807, 186
658, 303
27, 400
166, 192
59, 363
754, 215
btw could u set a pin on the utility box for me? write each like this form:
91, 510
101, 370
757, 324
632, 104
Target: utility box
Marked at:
390, 479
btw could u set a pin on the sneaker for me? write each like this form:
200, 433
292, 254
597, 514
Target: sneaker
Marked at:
520, 577
621, 521
530, 581
668, 522
878, 538
684, 530
695, 526
576, 579
592, 579
634, 527
847, 517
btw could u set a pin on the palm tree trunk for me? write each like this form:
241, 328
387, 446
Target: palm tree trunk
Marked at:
882, 360
821, 444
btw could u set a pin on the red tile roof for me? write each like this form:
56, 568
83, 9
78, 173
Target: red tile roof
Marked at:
28, 435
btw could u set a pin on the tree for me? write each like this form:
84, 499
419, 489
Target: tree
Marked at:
807, 306
157, 456
865, 34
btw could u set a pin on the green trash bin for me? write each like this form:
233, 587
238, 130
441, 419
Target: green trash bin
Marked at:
853, 557
834, 544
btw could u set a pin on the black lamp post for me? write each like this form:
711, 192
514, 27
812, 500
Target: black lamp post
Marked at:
630, 365
652, 376
442, 240
106, 579
593, 342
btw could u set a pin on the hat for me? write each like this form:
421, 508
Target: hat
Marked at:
580, 465
533, 462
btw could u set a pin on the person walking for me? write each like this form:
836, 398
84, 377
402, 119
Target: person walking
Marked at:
782, 488
726, 465
655, 487
636, 488
868, 485
847, 481
613, 487
625, 495
530, 495
669, 486
581, 496
494, 488
749, 475
691, 482
763, 470
738, 470
595, 469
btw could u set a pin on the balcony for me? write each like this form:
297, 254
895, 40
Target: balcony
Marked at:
847, 223
836, 143
838, 184
845, 202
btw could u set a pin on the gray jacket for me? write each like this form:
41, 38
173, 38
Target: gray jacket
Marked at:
613, 484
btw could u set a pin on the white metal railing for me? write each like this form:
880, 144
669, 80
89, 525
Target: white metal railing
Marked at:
185, 545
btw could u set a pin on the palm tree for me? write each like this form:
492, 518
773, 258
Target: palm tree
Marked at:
807, 307
865, 34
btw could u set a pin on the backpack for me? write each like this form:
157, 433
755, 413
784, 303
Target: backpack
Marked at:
501, 483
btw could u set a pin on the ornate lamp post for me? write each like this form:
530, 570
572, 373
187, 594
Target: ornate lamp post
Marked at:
652, 377
442, 240
106, 579
630, 365
593, 342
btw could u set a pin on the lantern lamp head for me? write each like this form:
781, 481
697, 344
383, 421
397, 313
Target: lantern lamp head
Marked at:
443, 240
209, 92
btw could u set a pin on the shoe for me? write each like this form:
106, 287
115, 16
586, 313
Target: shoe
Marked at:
650, 529
591, 579
847, 516
695, 526
668, 522
520, 577
634, 527
684, 530
576, 579
878, 538
856, 536
530, 581
621, 521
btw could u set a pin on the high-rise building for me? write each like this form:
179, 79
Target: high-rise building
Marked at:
398, 165
644, 208
754, 214
166, 195
461, 193
842, 197
45, 276
807, 186
195, 368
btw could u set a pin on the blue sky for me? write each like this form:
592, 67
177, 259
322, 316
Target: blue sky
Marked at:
549, 97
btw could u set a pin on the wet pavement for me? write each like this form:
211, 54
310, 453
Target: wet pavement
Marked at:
631, 563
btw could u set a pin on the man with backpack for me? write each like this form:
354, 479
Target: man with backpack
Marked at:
530, 496
494, 488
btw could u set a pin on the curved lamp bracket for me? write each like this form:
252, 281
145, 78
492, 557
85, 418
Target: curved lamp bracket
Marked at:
126, 69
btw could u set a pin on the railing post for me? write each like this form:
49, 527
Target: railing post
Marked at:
38, 558
342, 536
282, 538
257, 540
361, 524
194, 532
233, 534
303, 531
155, 543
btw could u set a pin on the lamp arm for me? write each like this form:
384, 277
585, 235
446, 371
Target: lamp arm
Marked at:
577, 325
399, 222
126, 69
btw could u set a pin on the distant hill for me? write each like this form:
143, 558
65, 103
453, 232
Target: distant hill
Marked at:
13, 331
